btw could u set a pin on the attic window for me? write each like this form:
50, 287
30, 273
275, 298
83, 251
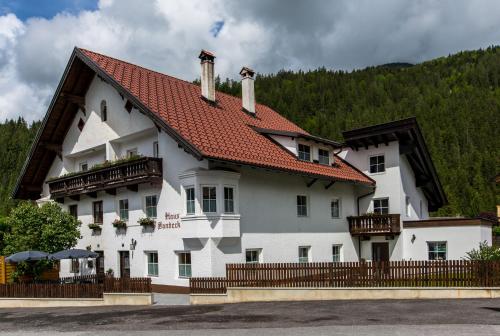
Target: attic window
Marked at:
104, 111
81, 123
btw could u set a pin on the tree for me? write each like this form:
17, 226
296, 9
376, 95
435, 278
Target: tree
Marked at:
47, 228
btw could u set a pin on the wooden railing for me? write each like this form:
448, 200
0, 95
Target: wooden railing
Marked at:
374, 224
140, 170
446, 273
91, 286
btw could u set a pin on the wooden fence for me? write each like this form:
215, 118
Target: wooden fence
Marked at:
446, 273
90, 286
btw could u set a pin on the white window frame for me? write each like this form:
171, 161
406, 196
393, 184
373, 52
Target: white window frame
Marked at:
209, 199
229, 200
186, 191
339, 205
259, 255
337, 257
148, 273
82, 164
320, 156
131, 152
146, 206
376, 164
74, 262
381, 199
305, 259
437, 250
299, 152
303, 206
120, 209
184, 265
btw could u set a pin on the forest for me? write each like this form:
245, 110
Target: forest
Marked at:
456, 100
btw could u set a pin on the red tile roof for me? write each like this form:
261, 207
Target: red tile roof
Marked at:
222, 131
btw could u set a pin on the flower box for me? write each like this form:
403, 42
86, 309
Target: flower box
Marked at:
119, 224
95, 226
146, 222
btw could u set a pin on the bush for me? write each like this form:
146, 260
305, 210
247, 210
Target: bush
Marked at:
484, 253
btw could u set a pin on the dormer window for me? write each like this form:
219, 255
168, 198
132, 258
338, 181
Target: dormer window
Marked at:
304, 152
323, 156
104, 111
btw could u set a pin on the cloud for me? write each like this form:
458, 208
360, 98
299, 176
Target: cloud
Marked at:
267, 35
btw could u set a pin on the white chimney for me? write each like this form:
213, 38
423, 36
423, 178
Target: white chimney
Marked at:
247, 90
207, 75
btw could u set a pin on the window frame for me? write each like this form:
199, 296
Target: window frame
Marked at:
146, 206
437, 251
302, 206
98, 217
74, 266
258, 252
339, 207
127, 209
187, 191
337, 257
377, 164
184, 266
381, 207
327, 163
70, 210
132, 152
300, 152
81, 166
152, 263
304, 259
211, 201
229, 201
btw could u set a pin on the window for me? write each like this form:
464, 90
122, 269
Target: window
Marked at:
304, 152
190, 201
184, 264
123, 209
335, 208
84, 166
323, 156
73, 210
304, 254
104, 111
437, 250
151, 205
252, 256
75, 266
228, 200
132, 153
97, 212
377, 164
209, 199
381, 206
301, 205
408, 206
155, 149
152, 263
336, 249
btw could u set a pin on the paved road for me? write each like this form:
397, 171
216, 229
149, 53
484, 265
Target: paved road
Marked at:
415, 317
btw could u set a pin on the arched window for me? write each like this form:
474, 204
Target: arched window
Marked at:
104, 111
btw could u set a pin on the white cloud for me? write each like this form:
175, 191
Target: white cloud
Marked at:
268, 35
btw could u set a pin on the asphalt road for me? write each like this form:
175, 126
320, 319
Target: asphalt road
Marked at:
387, 317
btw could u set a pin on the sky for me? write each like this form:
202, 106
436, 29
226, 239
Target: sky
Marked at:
38, 36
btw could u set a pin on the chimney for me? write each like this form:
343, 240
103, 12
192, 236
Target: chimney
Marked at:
207, 75
247, 90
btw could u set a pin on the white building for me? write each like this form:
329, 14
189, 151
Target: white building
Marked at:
226, 180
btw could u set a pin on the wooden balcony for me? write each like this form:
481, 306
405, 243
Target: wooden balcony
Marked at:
374, 225
128, 174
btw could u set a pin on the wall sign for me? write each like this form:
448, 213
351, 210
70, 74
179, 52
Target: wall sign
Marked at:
172, 221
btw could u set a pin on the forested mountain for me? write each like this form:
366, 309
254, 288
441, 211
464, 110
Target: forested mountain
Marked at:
15, 140
456, 100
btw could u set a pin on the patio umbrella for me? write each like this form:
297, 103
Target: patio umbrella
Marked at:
27, 256
73, 254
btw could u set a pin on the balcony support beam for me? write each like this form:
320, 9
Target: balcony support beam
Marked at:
92, 194
111, 191
329, 185
133, 187
309, 184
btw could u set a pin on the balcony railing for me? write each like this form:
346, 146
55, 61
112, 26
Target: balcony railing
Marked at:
374, 224
122, 174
